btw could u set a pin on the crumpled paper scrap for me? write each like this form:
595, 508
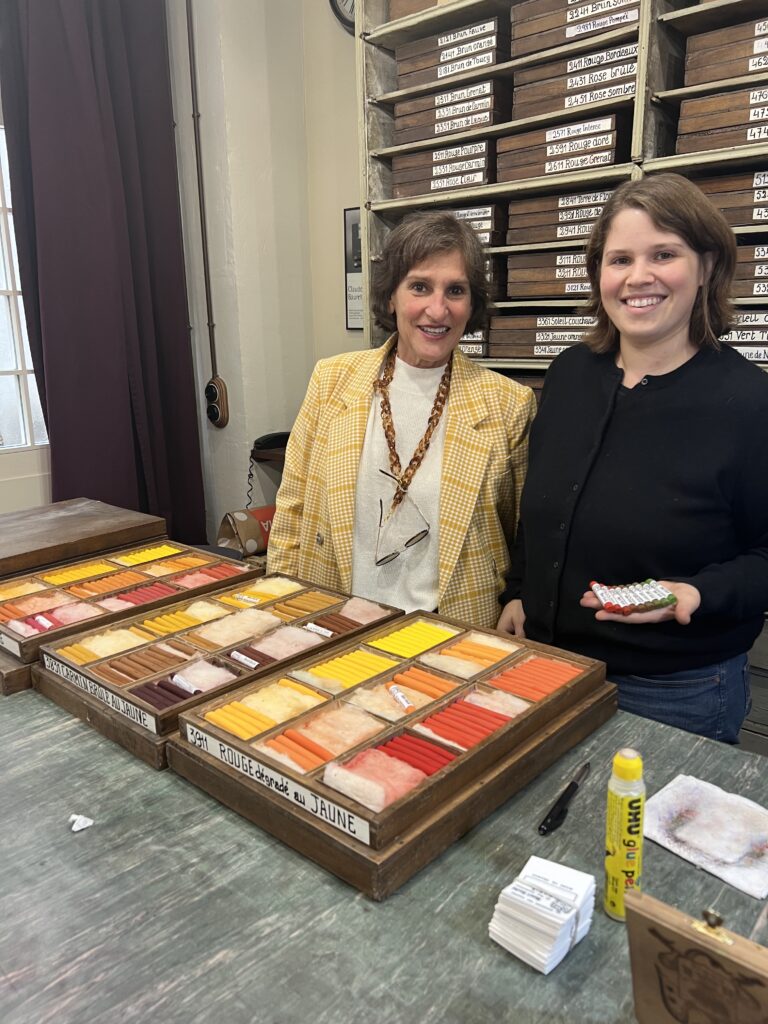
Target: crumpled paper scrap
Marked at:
79, 822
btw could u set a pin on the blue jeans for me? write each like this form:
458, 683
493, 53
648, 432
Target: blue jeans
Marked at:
712, 701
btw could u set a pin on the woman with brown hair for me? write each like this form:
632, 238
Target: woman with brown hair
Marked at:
649, 459
404, 467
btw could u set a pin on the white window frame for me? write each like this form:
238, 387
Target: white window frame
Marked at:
25, 470
22, 373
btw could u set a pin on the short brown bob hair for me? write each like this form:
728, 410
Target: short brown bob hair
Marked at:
674, 204
419, 237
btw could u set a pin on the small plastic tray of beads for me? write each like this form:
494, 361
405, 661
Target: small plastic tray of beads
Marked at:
151, 666
402, 717
65, 599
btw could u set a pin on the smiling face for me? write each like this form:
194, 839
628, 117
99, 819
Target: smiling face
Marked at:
649, 279
431, 305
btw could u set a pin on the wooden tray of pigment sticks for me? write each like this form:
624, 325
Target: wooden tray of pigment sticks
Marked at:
298, 804
553, 218
547, 274
560, 149
14, 676
606, 75
723, 120
437, 104
727, 53
437, 58
106, 588
442, 114
131, 736
172, 644
488, 222
751, 269
742, 198
580, 64
534, 336
414, 173
539, 25
750, 333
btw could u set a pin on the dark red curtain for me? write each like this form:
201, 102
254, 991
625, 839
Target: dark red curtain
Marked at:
86, 97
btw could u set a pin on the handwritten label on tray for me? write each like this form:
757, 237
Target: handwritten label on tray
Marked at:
112, 700
327, 811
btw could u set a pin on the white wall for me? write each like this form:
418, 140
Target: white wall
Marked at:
333, 169
25, 479
276, 82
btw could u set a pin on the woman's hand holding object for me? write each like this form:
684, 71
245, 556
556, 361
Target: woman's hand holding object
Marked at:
688, 600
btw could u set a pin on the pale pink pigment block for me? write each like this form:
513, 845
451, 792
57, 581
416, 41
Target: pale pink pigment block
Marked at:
201, 675
340, 728
373, 778
192, 580
362, 611
287, 641
70, 613
115, 604
42, 602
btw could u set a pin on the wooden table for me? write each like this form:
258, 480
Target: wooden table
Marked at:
172, 908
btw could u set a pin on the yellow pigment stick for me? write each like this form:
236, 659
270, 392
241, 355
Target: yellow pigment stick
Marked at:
141, 633
412, 639
312, 602
229, 716
79, 572
353, 668
264, 721
256, 725
242, 715
183, 620
235, 601
257, 596
256, 721
293, 685
223, 722
341, 672
77, 653
146, 555
282, 614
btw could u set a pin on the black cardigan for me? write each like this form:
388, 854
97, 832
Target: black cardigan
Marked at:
667, 480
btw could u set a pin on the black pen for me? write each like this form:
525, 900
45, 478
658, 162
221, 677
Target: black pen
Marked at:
559, 809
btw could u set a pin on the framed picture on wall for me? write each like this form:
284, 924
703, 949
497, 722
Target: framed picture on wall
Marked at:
353, 269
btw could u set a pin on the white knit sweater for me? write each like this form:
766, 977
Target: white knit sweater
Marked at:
410, 581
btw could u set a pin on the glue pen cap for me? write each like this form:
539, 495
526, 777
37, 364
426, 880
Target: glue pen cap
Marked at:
628, 764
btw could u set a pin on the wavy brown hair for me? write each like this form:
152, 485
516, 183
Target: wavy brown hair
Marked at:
417, 238
674, 204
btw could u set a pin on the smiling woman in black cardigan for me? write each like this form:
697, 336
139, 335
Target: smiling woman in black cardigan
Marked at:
649, 458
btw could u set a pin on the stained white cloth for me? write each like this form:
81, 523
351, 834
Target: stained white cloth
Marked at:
723, 833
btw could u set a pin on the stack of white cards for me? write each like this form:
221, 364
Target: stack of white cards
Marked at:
543, 914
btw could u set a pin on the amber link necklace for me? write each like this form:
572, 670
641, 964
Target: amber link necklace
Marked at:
381, 385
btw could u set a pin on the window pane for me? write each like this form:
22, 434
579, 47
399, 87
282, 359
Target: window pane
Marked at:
39, 433
24, 335
4, 275
14, 252
11, 421
7, 348
4, 167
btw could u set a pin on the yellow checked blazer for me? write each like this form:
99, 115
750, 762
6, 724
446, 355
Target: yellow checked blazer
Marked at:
484, 460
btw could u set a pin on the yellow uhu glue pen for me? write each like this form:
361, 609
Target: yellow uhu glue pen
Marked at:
623, 831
